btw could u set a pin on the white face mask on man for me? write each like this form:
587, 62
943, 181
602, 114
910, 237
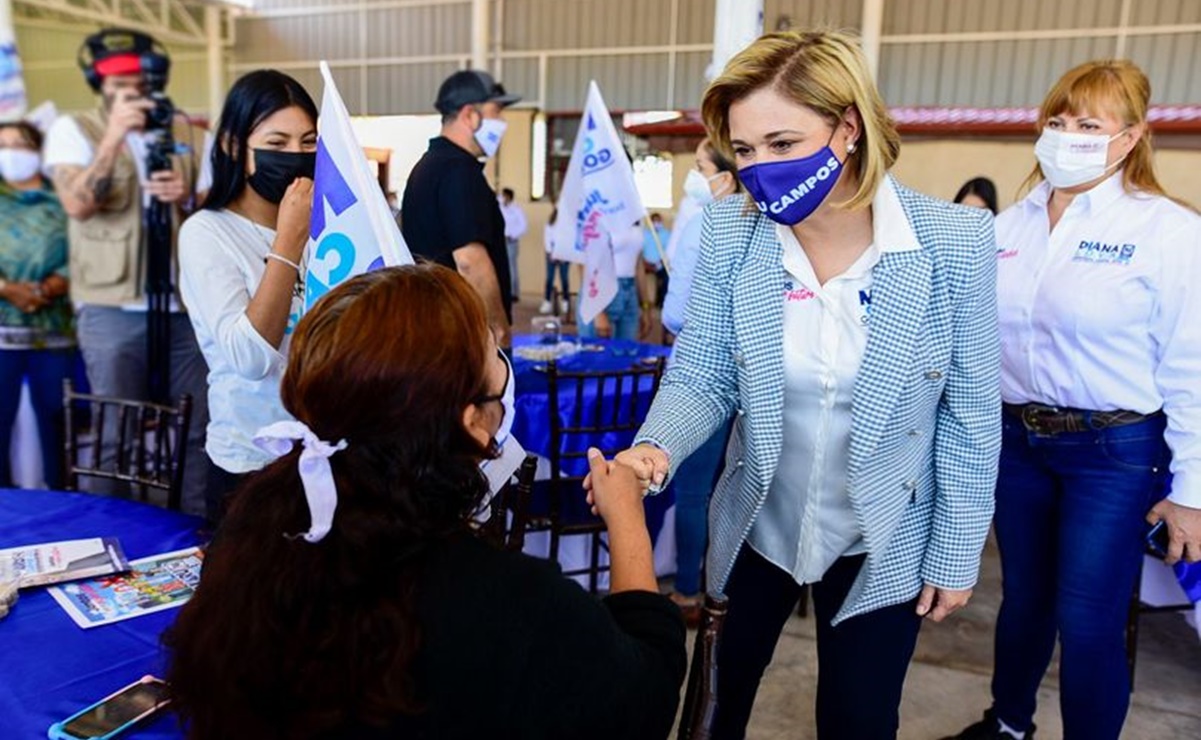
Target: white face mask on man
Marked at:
489, 134
1070, 159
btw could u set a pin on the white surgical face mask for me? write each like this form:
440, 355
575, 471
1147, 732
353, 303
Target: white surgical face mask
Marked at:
19, 165
498, 471
696, 186
1068, 160
508, 402
489, 134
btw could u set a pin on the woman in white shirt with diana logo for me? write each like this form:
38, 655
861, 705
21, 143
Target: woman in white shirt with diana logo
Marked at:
849, 330
240, 263
1098, 274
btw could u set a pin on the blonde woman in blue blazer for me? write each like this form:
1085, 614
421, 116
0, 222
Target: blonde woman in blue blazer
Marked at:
851, 330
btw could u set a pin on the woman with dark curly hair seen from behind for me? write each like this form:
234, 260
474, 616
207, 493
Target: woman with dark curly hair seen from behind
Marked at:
387, 617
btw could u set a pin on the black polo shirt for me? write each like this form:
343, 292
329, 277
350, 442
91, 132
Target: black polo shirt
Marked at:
448, 205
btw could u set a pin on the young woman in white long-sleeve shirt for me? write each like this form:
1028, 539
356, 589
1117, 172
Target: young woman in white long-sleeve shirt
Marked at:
240, 261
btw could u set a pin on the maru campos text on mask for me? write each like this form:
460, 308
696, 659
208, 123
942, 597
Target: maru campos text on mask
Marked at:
802, 188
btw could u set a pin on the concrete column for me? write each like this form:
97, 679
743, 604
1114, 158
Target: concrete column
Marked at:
481, 31
873, 26
214, 58
736, 23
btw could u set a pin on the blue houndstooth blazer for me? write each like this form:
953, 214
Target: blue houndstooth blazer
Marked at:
926, 427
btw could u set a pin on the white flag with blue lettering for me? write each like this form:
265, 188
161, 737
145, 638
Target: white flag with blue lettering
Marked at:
598, 198
352, 230
12, 83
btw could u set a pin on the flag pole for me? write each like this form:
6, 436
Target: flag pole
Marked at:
659, 248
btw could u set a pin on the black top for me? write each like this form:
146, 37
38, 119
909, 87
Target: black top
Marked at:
447, 205
512, 649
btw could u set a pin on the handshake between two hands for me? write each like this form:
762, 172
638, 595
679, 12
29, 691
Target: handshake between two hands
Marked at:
615, 489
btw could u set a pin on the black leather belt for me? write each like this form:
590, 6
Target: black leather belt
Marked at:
1051, 420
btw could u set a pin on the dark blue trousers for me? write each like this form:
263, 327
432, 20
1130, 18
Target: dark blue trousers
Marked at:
1070, 525
45, 370
861, 663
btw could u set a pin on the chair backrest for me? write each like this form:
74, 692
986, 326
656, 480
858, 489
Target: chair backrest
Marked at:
509, 510
148, 442
600, 409
700, 696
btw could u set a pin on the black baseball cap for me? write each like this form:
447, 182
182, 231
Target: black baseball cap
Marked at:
471, 87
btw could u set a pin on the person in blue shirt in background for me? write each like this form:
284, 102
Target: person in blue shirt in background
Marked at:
713, 178
652, 255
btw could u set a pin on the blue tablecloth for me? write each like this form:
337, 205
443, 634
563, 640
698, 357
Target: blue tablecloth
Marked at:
49, 667
531, 425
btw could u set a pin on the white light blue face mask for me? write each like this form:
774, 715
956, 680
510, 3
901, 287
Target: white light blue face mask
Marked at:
508, 402
1071, 159
499, 470
697, 187
489, 134
19, 165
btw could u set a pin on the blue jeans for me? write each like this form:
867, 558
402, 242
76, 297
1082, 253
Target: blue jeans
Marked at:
623, 312
1070, 525
551, 265
45, 370
512, 246
693, 485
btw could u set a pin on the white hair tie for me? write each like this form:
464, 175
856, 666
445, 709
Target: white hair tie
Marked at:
315, 474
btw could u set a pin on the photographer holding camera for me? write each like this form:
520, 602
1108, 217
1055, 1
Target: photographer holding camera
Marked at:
118, 171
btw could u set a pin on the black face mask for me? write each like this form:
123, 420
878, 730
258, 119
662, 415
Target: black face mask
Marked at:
275, 171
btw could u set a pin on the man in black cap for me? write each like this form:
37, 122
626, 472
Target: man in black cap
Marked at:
450, 215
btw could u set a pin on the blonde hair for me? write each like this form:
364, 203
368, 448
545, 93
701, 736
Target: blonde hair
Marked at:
1116, 87
824, 71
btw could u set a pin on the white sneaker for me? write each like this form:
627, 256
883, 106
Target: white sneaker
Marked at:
564, 307
545, 308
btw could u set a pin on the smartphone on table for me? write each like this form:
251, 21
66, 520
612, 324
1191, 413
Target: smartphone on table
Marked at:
115, 713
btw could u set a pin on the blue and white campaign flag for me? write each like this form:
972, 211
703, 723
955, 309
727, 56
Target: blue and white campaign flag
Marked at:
352, 230
12, 82
598, 198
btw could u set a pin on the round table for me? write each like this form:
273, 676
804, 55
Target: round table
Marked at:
51, 668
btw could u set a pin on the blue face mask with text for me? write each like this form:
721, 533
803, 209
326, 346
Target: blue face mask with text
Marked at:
788, 192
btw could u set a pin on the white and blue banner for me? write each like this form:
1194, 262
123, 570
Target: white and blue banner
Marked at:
352, 229
599, 197
12, 82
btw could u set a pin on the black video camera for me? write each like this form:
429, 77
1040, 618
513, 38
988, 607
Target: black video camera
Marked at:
159, 119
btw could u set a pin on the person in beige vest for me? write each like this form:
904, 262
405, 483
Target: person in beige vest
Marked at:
98, 163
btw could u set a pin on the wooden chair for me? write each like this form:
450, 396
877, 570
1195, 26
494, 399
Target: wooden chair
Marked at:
608, 409
700, 694
151, 442
510, 509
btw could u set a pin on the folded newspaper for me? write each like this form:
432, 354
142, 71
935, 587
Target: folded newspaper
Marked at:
69, 560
